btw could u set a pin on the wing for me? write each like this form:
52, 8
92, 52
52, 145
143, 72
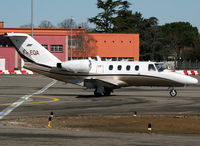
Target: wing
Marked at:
106, 83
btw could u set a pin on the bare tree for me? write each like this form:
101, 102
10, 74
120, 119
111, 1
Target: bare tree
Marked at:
84, 24
26, 26
67, 23
86, 27
85, 45
46, 24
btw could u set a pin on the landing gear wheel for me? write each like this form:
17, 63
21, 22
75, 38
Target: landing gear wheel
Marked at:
107, 93
173, 93
97, 94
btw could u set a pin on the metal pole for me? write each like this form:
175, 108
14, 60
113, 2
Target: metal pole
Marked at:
71, 41
32, 18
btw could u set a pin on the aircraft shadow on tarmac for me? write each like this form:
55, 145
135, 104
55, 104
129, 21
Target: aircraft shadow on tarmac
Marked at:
140, 95
92, 96
77, 95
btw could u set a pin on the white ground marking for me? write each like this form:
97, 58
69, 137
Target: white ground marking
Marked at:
13, 106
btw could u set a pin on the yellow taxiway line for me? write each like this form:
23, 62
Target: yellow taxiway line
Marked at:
52, 99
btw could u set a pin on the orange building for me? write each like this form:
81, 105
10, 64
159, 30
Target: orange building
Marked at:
117, 46
108, 46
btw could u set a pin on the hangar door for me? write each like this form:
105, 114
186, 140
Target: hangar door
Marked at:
2, 64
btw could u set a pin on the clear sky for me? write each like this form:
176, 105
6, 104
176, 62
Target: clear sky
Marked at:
17, 12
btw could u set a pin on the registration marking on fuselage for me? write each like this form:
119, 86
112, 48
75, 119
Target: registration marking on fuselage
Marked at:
16, 104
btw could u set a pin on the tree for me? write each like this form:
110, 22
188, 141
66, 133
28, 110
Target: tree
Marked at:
85, 45
152, 44
86, 27
67, 23
116, 17
46, 24
181, 36
104, 20
124, 20
26, 26
193, 54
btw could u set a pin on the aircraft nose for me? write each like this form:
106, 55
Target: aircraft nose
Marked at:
195, 81
192, 80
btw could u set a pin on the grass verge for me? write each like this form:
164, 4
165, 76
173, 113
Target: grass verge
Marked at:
175, 125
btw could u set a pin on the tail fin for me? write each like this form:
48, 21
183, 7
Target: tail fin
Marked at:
30, 50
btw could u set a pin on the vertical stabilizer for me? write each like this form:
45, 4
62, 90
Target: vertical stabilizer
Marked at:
30, 50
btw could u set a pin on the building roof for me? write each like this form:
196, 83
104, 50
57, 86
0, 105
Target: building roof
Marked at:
40, 31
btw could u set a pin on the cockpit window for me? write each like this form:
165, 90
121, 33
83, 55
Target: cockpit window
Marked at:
160, 67
151, 67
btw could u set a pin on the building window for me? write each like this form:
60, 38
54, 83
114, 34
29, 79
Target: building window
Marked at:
110, 67
56, 48
128, 67
136, 67
114, 59
119, 67
45, 46
4, 44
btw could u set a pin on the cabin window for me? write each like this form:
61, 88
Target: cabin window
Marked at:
110, 67
128, 67
137, 67
151, 67
119, 67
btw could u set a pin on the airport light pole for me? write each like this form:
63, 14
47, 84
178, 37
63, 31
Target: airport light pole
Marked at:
71, 39
32, 18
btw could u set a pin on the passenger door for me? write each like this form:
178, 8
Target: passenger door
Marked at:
100, 69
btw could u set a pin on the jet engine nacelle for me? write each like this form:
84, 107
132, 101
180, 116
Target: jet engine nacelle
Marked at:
75, 66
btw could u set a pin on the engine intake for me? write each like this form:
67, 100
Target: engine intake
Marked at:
59, 65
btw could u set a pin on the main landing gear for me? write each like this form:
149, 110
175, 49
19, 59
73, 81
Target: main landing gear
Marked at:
100, 91
173, 92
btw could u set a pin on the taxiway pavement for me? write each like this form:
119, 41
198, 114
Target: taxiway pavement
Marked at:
68, 99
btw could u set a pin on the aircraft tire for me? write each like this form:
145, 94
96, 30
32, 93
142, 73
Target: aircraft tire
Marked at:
173, 93
107, 93
97, 94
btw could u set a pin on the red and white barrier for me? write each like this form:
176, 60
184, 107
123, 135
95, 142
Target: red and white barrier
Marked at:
18, 72
28, 72
187, 72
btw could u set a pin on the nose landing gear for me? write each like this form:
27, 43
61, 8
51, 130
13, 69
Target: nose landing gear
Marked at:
173, 92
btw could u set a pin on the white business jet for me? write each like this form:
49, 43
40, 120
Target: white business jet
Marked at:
103, 76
